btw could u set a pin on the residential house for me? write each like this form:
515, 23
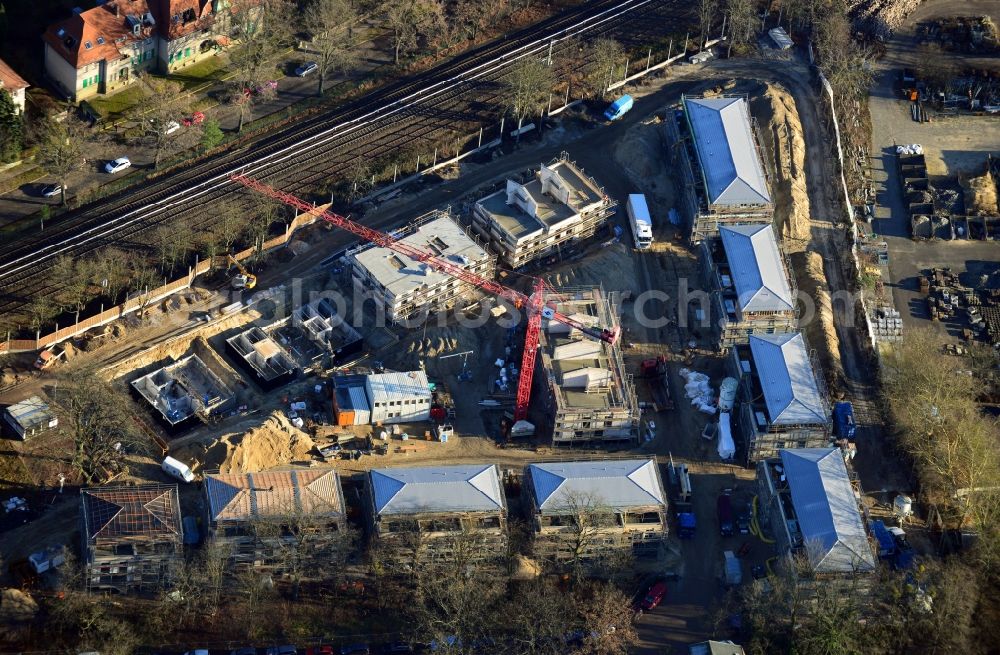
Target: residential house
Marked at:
592, 509
132, 537
258, 515
13, 84
781, 403
442, 513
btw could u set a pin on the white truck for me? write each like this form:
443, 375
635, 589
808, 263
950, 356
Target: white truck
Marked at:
177, 469
638, 218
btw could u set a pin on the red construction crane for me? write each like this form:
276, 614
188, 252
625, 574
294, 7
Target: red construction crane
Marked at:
534, 304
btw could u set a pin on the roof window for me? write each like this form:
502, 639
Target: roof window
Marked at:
88, 45
100, 40
60, 32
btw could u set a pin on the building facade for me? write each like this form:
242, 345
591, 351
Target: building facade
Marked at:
403, 286
261, 517
438, 513
722, 176
132, 537
13, 84
593, 510
780, 401
751, 290
527, 221
398, 397
103, 49
583, 393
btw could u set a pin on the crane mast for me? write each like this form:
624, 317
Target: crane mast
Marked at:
534, 304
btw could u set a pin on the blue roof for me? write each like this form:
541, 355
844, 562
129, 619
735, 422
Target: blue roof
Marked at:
787, 379
464, 488
758, 272
827, 511
731, 169
619, 484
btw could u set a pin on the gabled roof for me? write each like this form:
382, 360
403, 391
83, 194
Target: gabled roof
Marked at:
729, 163
9, 79
755, 264
124, 511
432, 489
273, 494
827, 510
102, 29
619, 484
787, 379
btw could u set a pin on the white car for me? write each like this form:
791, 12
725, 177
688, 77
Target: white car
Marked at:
117, 165
170, 127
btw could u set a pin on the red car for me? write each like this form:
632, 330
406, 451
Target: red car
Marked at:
653, 596
319, 650
196, 118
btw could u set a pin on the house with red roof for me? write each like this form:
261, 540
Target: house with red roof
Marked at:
13, 84
103, 49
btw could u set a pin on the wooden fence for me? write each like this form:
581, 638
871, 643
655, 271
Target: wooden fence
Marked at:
147, 298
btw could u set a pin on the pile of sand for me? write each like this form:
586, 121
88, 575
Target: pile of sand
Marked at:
782, 134
273, 443
880, 17
819, 328
980, 195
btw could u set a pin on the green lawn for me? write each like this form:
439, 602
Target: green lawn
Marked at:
194, 75
116, 103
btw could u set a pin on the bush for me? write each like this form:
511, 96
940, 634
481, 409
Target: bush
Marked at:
25, 177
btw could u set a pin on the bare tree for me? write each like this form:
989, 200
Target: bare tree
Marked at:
40, 311
172, 243
527, 87
229, 226
707, 11
62, 147
76, 276
331, 23
607, 615
262, 28
744, 23
410, 21
608, 55
111, 271
160, 113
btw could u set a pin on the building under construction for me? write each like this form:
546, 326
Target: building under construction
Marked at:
132, 537
184, 390
263, 357
583, 393
256, 515
526, 221
722, 176
404, 286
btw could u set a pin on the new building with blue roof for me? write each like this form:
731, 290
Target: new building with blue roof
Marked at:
723, 177
439, 512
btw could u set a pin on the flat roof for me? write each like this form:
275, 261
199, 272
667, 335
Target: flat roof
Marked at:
619, 484
31, 413
398, 386
787, 379
727, 155
399, 274
435, 489
757, 269
827, 510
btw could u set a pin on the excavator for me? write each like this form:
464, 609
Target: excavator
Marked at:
245, 279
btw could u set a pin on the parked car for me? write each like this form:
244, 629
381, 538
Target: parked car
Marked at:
355, 649
281, 650
51, 190
197, 651
170, 127
196, 118
653, 596
117, 165
306, 67
397, 647
320, 650
246, 650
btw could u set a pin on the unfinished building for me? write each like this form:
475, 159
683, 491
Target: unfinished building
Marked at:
723, 180
404, 286
184, 390
810, 504
752, 292
132, 537
260, 355
439, 513
317, 330
781, 403
583, 393
596, 510
558, 207
258, 516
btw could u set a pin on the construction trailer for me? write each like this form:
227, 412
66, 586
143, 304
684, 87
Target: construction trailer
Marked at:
782, 403
30, 417
350, 401
582, 390
595, 510
723, 180
256, 517
183, 391
263, 357
405, 287
439, 513
751, 290
398, 397
809, 504
132, 537
561, 205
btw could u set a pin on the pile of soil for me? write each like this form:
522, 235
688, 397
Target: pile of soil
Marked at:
880, 17
819, 329
275, 442
782, 133
980, 195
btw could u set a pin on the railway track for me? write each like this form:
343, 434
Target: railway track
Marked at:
299, 157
